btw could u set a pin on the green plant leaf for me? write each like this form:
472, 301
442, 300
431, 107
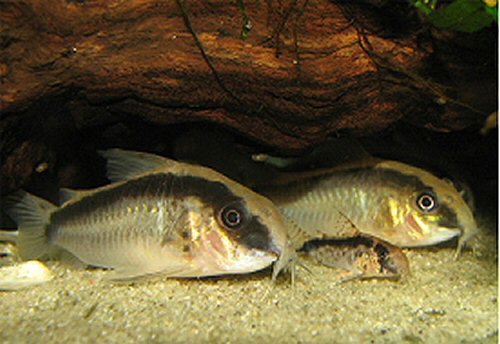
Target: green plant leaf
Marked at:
493, 11
423, 7
462, 15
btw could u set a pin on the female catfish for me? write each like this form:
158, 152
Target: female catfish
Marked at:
158, 217
398, 203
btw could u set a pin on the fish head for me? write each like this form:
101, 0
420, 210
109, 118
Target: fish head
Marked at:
392, 261
236, 230
440, 214
255, 235
278, 242
429, 210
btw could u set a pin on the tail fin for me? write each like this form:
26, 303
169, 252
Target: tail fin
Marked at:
32, 215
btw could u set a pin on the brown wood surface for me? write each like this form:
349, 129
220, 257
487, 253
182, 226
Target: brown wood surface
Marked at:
308, 69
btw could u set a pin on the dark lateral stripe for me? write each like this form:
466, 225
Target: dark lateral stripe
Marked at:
393, 176
376, 174
366, 176
447, 217
348, 242
213, 194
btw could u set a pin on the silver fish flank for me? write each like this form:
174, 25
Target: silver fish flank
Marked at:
398, 203
158, 217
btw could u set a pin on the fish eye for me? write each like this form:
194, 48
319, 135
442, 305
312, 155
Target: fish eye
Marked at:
232, 216
426, 201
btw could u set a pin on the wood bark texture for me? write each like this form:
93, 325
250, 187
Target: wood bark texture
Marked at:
307, 69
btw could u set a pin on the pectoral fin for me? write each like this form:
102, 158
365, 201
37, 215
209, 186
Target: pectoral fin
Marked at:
66, 195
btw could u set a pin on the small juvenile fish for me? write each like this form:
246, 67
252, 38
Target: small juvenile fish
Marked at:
158, 217
361, 257
398, 203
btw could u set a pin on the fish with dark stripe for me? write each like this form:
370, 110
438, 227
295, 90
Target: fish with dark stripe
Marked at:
398, 203
359, 257
158, 217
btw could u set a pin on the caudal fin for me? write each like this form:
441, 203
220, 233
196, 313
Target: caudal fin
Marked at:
32, 215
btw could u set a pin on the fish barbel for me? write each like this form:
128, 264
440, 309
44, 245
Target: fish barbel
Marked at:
398, 203
158, 217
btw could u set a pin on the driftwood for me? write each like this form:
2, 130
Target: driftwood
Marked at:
307, 69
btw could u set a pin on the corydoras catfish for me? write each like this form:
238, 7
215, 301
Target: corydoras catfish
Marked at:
360, 257
158, 217
398, 203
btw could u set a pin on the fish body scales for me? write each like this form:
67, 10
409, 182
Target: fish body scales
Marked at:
104, 228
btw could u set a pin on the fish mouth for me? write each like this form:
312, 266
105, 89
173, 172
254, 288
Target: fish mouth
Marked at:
237, 259
442, 235
272, 254
254, 260
274, 250
426, 236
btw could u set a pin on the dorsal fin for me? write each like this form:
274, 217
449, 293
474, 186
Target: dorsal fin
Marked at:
123, 165
331, 153
66, 194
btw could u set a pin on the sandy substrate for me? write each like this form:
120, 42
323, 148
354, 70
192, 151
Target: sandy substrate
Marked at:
443, 301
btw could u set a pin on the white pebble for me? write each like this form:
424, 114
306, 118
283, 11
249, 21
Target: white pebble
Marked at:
24, 275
